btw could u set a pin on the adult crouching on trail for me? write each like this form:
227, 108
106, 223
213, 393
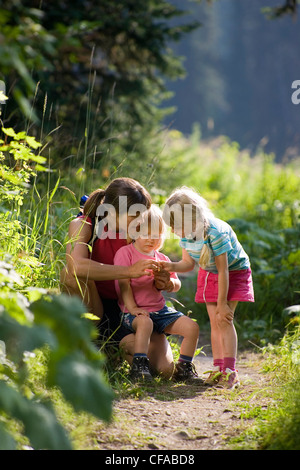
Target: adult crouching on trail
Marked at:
94, 238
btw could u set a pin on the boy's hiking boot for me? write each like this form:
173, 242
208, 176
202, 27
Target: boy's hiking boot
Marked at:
185, 372
140, 369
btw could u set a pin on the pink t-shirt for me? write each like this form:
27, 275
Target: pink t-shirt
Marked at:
144, 291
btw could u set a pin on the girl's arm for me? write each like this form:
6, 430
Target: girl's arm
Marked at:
128, 298
79, 263
223, 284
186, 264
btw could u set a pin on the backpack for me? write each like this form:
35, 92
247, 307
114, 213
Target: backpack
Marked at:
94, 237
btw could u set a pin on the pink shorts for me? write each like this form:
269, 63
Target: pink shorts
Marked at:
240, 286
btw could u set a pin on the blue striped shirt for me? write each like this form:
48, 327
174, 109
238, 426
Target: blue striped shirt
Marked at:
221, 238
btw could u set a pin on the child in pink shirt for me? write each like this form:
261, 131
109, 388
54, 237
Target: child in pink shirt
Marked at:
144, 306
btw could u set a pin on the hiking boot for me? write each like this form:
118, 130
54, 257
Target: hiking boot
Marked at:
214, 377
229, 379
140, 369
185, 372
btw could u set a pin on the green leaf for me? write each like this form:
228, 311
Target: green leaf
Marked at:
43, 429
63, 315
35, 293
6, 175
3, 97
20, 135
40, 423
9, 131
8, 275
90, 316
20, 338
31, 141
40, 168
6, 440
17, 306
37, 158
83, 386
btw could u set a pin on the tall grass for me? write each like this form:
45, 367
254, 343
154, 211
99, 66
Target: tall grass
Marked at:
277, 426
31, 319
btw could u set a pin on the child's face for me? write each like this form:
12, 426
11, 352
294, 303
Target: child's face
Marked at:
184, 221
147, 243
181, 231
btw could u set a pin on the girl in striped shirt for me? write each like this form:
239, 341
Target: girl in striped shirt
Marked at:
224, 276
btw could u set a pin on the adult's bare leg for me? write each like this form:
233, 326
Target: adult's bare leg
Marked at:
85, 289
160, 355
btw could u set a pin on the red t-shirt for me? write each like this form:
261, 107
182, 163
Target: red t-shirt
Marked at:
103, 251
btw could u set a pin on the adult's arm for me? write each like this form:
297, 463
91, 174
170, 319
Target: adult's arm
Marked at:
79, 263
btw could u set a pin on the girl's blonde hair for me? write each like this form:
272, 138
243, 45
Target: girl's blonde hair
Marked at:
190, 209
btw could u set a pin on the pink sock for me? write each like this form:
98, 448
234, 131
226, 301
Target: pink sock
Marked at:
229, 363
219, 363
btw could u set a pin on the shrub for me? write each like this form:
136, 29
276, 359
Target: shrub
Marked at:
31, 319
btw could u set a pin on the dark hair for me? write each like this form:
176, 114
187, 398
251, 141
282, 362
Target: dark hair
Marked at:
135, 194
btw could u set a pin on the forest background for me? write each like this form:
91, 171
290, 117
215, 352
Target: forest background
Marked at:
169, 93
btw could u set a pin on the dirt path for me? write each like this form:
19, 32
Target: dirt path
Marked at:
186, 417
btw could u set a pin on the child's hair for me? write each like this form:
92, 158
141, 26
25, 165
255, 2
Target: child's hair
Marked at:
133, 191
185, 205
153, 223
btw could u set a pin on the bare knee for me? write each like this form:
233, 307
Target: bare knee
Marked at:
224, 323
194, 328
86, 290
185, 327
72, 284
68, 283
144, 323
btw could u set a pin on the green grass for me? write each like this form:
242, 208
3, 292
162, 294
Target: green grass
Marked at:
277, 425
269, 416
